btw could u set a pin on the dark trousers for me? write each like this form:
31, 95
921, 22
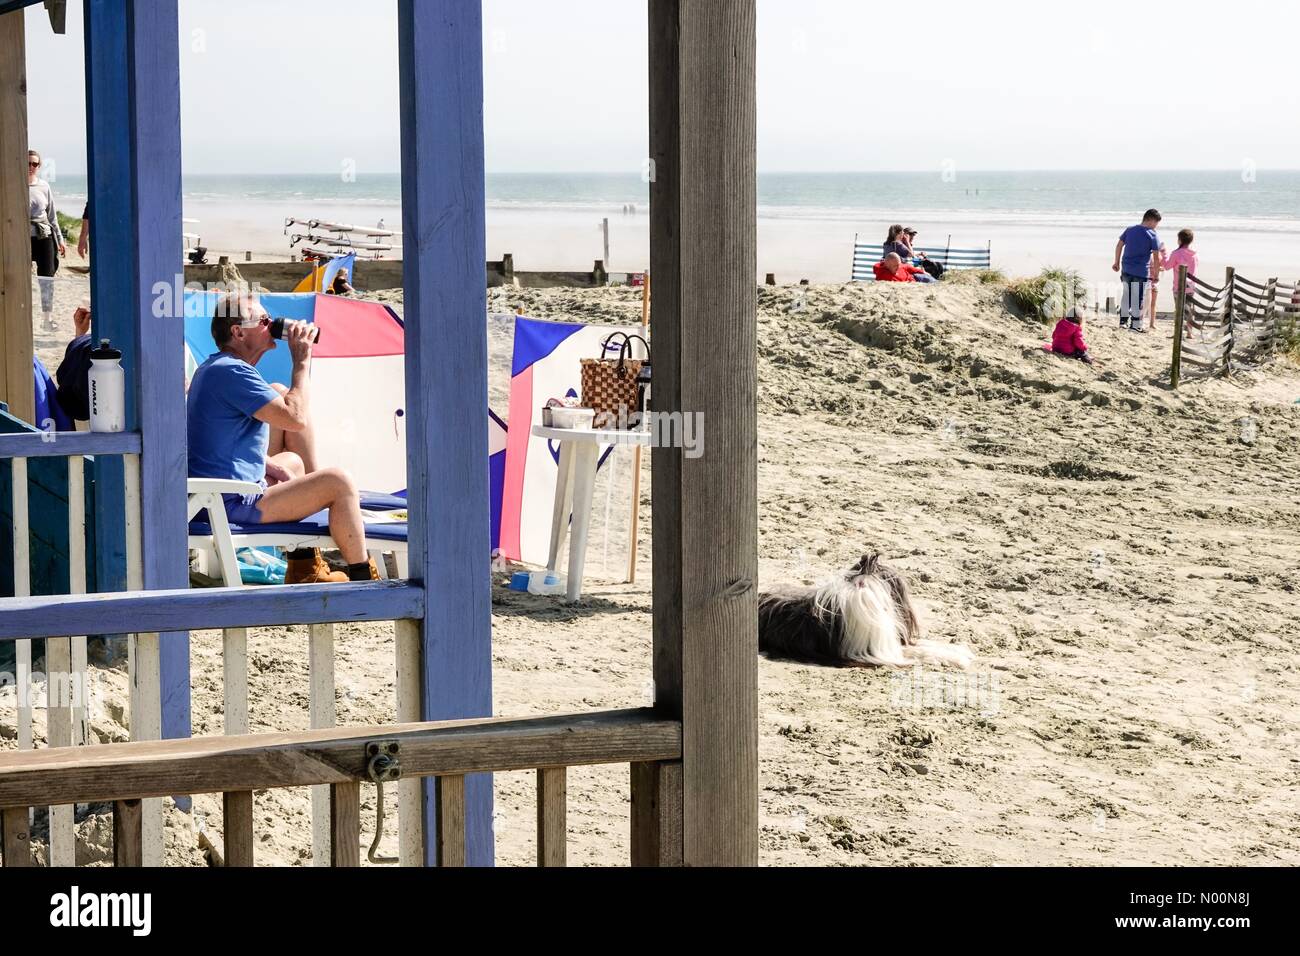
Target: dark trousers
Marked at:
45, 253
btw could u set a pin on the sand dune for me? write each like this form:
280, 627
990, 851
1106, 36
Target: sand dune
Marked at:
1121, 558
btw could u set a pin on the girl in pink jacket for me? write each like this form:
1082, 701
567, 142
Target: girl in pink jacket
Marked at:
1067, 337
1184, 255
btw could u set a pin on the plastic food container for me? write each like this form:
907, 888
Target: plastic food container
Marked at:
572, 417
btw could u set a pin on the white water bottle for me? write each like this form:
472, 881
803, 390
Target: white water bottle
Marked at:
107, 386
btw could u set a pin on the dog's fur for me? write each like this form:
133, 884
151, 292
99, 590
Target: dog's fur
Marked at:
861, 617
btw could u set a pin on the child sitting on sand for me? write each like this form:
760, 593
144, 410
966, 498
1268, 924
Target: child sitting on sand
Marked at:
1067, 337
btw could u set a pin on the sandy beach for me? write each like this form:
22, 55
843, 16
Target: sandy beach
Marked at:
1121, 558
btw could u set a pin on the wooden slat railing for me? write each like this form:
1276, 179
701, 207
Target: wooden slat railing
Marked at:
128, 773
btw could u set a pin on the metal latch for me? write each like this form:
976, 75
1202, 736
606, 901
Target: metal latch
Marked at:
383, 763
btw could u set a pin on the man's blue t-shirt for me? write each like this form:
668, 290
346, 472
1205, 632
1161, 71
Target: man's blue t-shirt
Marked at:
225, 440
1139, 243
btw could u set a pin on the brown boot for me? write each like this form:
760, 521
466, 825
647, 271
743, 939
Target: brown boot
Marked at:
312, 570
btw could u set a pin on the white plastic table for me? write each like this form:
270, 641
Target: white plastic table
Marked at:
574, 484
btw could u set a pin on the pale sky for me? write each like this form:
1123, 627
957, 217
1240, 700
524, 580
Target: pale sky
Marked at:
843, 85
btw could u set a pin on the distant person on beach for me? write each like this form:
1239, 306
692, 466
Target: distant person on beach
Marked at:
340, 284
47, 237
83, 234
896, 242
241, 427
1067, 337
1137, 260
893, 269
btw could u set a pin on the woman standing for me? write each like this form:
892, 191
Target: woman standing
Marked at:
47, 237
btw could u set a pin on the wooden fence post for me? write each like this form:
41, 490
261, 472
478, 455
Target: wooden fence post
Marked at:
1230, 290
1180, 300
440, 69
703, 255
15, 250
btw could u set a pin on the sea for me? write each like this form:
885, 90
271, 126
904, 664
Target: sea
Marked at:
1244, 217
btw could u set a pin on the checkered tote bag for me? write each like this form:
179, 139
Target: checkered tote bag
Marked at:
610, 384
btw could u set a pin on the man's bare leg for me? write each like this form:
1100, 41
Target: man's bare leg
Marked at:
330, 488
301, 444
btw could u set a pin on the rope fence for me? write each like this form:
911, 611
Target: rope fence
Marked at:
1219, 329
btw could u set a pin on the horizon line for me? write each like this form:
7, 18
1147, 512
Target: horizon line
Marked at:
781, 172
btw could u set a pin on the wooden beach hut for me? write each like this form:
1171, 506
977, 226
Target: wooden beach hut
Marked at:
693, 754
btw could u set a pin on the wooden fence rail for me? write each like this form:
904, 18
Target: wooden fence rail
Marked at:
1242, 322
128, 773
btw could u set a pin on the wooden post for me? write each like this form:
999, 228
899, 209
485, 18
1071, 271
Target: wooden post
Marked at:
128, 839
345, 824
440, 59
770, 279
552, 816
635, 529
1180, 303
15, 836
657, 814
1270, 313
410, 803
237, 824
1230, 290
15, 227
604, 226
320, 669
133, 149
703, 255
451, 820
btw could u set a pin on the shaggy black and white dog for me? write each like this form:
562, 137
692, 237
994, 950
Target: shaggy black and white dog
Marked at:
861, 617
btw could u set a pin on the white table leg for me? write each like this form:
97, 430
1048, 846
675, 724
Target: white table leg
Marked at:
563, 492
586, 456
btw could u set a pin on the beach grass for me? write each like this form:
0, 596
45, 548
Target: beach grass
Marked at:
975, 277
70, 226
1048, 294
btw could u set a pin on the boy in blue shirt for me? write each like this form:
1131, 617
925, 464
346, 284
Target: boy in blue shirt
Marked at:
1137, 260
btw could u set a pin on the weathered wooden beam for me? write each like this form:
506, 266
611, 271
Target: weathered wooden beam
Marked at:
15, 226
170, 611
703, 258
308, 757
440, 59
64, 444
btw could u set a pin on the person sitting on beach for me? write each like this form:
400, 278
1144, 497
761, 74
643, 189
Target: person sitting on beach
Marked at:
894, 269
897, 242
340, 285
241, 427
1067, 337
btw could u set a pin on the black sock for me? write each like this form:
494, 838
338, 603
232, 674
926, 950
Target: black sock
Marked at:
301, 554
359, 572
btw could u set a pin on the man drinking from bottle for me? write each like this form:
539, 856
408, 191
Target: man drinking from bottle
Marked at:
242, 427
